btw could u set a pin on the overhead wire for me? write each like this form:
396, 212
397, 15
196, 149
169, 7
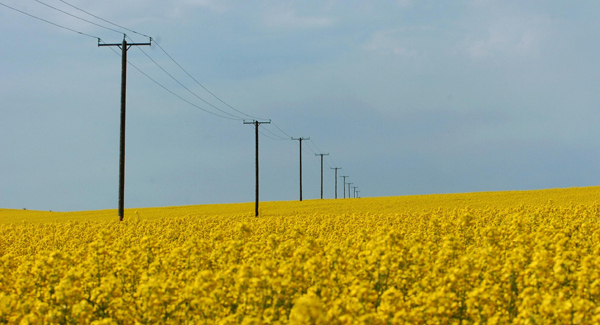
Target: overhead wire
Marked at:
159, 46
168, 90
82, 19
169, 56
264, 134
49, 22
120, 32
282, 131
203, 87
231, 116
268, 136
104, 20
278, 137
186, 88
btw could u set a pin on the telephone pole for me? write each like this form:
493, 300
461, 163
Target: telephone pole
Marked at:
355, 187
357, 194
321, 154
349, 189
344, 187
300, 140
256, 124
124, 47
336, 169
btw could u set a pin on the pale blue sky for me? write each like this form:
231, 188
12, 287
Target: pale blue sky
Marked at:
408, 97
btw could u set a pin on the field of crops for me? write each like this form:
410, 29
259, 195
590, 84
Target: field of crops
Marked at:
528, 257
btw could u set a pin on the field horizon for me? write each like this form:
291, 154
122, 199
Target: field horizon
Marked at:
412, 203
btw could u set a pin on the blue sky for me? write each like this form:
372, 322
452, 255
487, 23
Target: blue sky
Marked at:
408, 97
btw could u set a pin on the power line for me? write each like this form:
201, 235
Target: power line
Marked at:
104, 20
276, 135
318, 150
186, 88
77, 17
311, 150
156, 63
49, 22
201, 85
230, 115
170, 91
161, 48
268, 136
275, 125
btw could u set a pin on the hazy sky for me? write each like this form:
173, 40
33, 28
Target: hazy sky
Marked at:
408, 97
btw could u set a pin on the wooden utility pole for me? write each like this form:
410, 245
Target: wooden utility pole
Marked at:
355, 187
336, 169
300, 140
256, 124
321, 154
344, 187
349, 189
124, 47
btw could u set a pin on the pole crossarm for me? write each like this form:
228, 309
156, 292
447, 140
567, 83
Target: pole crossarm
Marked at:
300, 140
257, 122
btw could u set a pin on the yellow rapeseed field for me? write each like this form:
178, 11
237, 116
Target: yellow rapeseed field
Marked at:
530, 257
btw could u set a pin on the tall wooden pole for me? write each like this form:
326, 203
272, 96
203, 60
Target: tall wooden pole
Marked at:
300, 140
256, 124
321, 154
344, 186
336, 169
124, 47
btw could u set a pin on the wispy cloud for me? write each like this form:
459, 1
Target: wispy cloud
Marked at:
509, 36
214, 5
395, 41
288, 18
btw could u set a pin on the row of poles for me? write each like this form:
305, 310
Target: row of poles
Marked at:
124, 46
256, 125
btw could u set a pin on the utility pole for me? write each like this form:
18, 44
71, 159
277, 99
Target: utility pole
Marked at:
344, 187
256, 124
321, 154
357, 194
355, 187
300, 140
124, 47
349, 189
336, 169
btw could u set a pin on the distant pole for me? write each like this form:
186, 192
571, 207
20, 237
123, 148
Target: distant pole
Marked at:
355, 187
321, 154
256, 124
300, 140
124, 47
344, 187
357, 194
336, 169
349, 189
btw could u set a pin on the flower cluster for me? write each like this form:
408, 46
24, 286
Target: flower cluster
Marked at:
443, 263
